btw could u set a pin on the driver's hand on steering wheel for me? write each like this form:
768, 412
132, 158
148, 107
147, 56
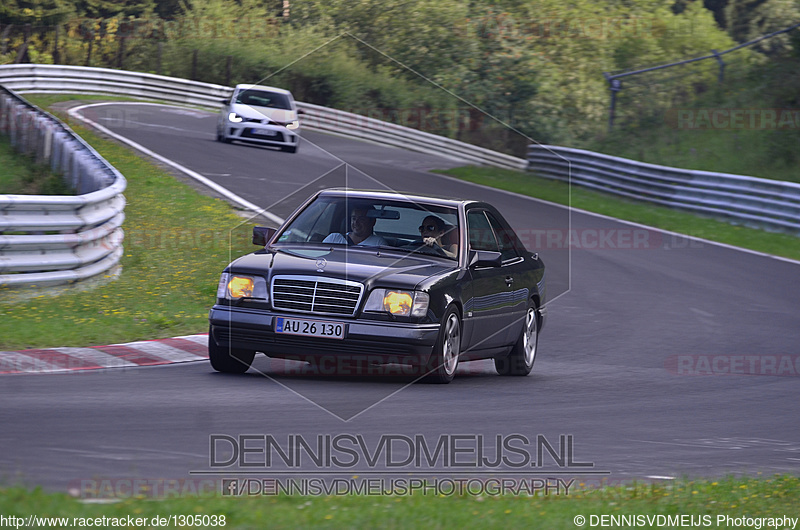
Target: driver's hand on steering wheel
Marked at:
429, 241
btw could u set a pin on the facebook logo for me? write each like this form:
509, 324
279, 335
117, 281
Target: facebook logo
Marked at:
230, 486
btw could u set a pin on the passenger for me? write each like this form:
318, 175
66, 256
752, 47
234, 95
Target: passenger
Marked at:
362, 230
432, 230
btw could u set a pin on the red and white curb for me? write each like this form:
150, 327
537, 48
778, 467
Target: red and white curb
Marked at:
132, 354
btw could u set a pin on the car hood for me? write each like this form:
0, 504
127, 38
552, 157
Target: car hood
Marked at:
370, 267
259, 113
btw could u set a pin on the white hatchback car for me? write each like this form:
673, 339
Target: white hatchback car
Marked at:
260, 114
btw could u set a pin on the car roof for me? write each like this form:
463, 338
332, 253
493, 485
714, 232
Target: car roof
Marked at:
263, 87
387, 195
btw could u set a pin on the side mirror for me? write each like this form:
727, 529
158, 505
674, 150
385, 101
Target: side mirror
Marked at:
300, 112
262, 234
485, 258
225, 101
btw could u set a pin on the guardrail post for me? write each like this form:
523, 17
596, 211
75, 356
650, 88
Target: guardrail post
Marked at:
718, 57
614, 86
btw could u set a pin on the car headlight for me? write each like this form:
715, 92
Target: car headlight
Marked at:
293, 124
235, 286
398, 303
235, 118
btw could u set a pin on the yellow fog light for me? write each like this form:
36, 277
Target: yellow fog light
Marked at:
398, 302
240, 286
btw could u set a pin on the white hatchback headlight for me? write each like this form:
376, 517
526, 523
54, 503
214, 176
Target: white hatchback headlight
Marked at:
235, 118
397, 302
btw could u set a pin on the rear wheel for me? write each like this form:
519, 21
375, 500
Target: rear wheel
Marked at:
444, 359
229, 360
523, 354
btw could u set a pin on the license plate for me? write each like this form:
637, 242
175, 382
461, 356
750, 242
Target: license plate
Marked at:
263, 132
309, 328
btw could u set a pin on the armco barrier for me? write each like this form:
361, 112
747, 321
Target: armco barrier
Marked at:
48, 239
37, 78
765, 203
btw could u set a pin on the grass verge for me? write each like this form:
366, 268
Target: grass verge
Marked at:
177, 241
21, 175
559, 192
705, 503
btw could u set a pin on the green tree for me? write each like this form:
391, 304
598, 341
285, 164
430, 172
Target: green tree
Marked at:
115, 8
38, 12
749, 19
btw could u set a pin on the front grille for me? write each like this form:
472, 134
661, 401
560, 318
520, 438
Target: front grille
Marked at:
277, 138
325, 296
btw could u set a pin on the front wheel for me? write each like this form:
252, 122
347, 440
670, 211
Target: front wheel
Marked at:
442, 365
229, 360
523, 354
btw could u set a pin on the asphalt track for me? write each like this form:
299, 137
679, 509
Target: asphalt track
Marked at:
662, 356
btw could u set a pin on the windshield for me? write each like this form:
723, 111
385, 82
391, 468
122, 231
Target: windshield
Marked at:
263, 98
401, 225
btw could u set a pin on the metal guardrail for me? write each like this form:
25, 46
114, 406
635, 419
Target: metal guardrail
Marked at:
49, 239
37, 78
382, 132
764, 203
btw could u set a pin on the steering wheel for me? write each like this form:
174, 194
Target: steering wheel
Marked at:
421, 247
439, 250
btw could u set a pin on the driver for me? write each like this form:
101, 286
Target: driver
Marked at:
361, 226
432, 229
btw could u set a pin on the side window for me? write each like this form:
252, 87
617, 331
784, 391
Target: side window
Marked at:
504, 238
481, 236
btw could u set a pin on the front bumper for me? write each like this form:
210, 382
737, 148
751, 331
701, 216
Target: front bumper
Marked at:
376, 341
275, 135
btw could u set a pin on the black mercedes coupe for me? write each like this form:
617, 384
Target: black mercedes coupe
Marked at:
378, 278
